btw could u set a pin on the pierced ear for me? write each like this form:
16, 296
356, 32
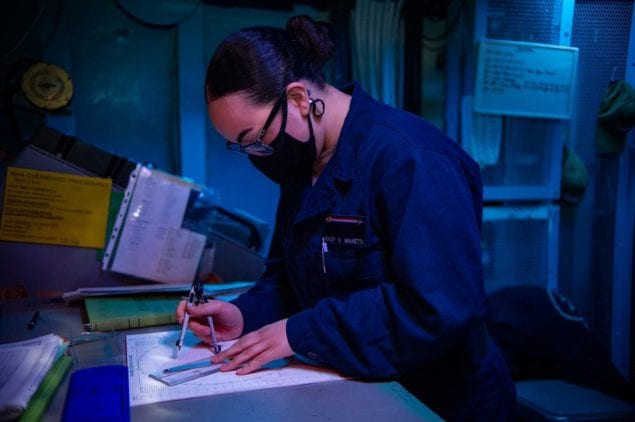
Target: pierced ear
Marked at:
298, 95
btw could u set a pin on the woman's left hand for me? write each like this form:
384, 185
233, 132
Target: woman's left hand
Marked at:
256, 349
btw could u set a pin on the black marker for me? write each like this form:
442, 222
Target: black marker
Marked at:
33, 321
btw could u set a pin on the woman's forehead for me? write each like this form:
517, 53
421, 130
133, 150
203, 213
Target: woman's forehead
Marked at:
235, 113
234, 101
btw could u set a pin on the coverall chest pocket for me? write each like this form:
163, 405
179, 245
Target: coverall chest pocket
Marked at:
354, 268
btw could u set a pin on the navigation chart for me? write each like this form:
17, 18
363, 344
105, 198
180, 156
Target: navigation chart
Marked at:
152, 352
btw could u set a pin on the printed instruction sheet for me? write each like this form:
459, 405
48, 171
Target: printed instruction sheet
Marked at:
55, 208
152, 243
152, 352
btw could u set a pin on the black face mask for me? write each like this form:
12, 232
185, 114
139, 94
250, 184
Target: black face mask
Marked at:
291, 158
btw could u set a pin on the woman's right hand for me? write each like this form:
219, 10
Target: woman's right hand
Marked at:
228, 320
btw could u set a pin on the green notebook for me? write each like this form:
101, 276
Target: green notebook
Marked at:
47, 389
108, 313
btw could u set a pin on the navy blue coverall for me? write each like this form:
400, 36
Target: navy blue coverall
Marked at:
397, 292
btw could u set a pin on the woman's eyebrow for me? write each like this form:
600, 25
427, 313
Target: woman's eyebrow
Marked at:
241, 135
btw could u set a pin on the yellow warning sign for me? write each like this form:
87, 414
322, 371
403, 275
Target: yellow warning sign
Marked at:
55, 208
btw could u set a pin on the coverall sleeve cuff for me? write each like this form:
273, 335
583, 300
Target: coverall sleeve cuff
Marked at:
301, 337
248, 325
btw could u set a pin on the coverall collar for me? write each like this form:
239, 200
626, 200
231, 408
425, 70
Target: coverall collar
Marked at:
341, 169
345, 157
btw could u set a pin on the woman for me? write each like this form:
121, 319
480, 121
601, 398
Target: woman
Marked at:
375, 266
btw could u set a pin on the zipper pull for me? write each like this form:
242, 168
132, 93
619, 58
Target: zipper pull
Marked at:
325, 249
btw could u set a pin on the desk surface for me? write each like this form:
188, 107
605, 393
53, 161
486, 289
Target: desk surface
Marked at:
333, 401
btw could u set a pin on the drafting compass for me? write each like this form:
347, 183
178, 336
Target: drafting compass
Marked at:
195, 297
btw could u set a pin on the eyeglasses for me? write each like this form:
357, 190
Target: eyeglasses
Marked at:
257, 147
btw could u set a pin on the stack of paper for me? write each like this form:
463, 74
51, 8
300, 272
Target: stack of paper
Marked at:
23, 366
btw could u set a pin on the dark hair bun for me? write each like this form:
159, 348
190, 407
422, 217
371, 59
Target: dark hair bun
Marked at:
313, 39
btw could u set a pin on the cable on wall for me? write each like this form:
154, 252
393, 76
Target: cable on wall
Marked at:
26, 33
157, 25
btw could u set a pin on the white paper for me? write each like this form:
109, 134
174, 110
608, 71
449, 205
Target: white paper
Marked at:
152, 244
23, 366
525, 79
152, 352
